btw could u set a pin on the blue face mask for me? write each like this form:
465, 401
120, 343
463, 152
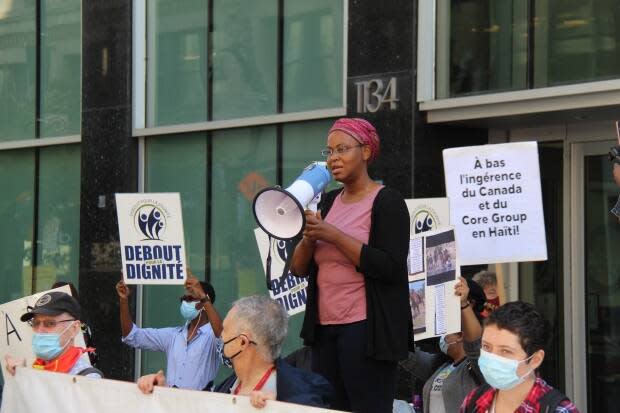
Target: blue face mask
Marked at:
443, 344
501, 372
46, 346
188, 310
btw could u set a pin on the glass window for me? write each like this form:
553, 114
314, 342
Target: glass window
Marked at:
244, 58
61, 48
177, 164
541, 282
602, 277
313, 49
576, 41
177, 50
58, 216
244, 161
16, 220
484, 49
17, 69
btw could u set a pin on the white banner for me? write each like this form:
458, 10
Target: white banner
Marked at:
496, 202
151, 237
16, 336
35, 391
290, 291
427, 214
434, 269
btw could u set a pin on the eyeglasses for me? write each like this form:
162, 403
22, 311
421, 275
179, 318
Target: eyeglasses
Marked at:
340, 150
47, 323
188, 298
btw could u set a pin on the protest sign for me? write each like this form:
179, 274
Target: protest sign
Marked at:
151, 237
496, 202
428, 214
16, 336
288, 290
33, 390
433, 272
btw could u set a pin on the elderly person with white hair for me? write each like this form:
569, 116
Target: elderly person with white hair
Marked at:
254, 330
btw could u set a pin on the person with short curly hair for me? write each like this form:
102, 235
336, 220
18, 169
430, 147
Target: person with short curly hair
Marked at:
512, 350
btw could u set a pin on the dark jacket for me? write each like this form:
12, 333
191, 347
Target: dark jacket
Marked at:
293, 386
383, 261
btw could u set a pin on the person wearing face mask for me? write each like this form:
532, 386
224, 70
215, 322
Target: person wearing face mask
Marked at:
55, 320
191, 349
512, 349
254, 330
445, 388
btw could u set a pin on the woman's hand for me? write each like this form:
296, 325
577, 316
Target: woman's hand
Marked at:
317, 229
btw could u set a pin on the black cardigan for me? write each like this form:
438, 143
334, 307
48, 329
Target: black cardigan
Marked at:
383, 262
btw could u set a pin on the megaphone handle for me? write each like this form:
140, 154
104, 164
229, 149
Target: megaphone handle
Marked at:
268, 267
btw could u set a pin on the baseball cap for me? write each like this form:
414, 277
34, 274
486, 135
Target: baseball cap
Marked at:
54, 303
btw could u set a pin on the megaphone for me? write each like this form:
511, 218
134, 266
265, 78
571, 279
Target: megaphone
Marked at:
280, 212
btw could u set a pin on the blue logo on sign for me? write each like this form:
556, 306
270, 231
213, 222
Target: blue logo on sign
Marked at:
150, 221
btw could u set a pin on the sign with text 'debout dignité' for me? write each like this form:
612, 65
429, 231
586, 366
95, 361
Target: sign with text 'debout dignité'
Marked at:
151, 236
496, 202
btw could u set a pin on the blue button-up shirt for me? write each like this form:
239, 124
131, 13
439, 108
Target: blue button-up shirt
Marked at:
189, 365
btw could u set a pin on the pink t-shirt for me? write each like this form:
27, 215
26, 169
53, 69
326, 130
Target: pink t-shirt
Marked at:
342, 296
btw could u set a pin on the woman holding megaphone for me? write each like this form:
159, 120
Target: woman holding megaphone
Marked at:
354, 251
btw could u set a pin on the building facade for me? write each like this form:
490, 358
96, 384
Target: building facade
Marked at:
216, 99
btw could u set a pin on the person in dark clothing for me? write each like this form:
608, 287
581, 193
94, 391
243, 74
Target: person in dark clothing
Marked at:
354, 251
254, 330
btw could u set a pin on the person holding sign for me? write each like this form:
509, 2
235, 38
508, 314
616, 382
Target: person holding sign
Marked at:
55, 320
254, 330
513, 343
354, 251
191, 349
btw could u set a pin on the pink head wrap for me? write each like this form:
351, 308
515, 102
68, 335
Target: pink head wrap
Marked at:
362, 131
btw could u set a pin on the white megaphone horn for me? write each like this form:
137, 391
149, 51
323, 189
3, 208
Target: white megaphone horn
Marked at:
280, 212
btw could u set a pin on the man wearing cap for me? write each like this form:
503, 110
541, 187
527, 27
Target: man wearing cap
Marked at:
191, 349
55, 320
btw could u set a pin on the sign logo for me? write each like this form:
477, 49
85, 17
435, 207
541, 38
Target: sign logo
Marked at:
424, 220
150, 221
282, 249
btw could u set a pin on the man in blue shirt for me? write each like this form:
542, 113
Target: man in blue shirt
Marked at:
191, 349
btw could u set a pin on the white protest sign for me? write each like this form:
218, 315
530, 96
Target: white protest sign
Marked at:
16, 336
33, 390
151, 237
435, 309
496, 202
290, 291
428, 214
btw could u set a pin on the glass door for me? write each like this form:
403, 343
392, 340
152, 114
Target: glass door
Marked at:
599, 275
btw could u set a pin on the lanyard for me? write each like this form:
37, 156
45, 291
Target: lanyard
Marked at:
260, 383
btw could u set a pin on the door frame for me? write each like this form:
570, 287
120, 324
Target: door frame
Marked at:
576, 361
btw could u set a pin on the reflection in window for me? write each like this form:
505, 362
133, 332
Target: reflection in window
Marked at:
61, 48
177, 50
313, 46
244, 58
17, 69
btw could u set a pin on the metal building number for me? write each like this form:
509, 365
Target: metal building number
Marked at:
371, 95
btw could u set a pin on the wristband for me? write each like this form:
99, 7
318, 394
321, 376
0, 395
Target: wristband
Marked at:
464, 306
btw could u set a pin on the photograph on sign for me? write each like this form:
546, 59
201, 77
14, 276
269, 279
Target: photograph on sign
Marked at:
287, 289
441, 258
151, 238
416, 299
496, 202
435, 309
